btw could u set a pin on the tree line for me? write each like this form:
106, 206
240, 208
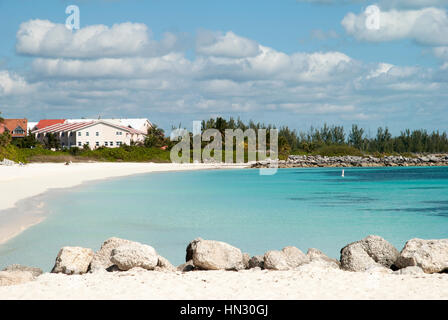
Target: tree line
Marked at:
313, 139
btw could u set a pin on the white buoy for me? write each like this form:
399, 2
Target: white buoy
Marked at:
342, 175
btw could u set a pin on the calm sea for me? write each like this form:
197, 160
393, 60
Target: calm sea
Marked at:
300, 207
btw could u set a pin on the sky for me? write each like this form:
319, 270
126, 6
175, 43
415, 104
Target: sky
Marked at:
298, 63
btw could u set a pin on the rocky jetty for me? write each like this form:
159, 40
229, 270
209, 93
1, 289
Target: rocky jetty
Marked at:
372, 254
356, 161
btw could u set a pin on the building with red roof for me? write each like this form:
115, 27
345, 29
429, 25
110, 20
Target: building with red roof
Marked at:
93, 134
16, 127
49, 122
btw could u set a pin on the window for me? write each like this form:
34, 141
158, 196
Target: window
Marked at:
18, 130
119, 133
97, 134
71, 134
87, 143
118, 143
79, 134
62, 134
87, 134
79, 144
111, 143
97, 144
105, 143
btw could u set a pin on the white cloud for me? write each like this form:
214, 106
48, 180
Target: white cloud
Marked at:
225, 45
228, 74
11, 83
46, 39
112, 67
386, 3
427, 26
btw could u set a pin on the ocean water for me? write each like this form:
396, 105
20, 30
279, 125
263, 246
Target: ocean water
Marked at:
301, 207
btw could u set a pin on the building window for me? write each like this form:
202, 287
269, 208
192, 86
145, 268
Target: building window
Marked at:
119, 133
111, 143
118, 143
80, 144
105, 143
62, 134
87, 134
87, 143
71, 134
97, 134
79, 134
18, 130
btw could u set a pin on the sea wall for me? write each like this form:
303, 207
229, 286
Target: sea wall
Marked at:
371, 254
356, 161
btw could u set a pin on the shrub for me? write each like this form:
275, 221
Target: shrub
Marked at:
338, 150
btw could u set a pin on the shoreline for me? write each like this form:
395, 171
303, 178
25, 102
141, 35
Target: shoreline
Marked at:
370, 268
22, 184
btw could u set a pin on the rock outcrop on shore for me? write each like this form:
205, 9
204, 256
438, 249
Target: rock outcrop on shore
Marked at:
372, 254
430, 255
356, 161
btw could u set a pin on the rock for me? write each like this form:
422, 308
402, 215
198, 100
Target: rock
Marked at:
190, 249
10, 278
430, 255
217, 255
410, 271
368, 252
101, 259
355, 258
317, 255
380, 250
287, 259
73, 260
134, 255
256, 262
295, 256
186, 267
164, 265
276, 260
246, 259
17, 267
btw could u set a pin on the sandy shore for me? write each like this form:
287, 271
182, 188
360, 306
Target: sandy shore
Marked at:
21, 182
307, 282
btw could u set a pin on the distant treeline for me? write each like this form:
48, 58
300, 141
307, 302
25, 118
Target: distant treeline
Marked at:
314, 139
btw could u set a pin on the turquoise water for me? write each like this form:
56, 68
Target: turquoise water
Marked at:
301, 207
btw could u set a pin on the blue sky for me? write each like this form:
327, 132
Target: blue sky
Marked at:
295, 63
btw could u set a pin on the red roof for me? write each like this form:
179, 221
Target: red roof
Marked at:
17, 127
48, 122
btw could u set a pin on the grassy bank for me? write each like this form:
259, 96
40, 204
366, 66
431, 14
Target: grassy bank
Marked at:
124, 154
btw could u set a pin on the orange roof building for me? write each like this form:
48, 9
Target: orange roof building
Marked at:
16, 127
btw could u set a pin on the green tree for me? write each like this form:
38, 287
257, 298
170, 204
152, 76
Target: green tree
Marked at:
155, 137
356, 137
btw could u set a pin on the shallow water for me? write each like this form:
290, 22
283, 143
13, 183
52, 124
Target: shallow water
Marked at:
301, 207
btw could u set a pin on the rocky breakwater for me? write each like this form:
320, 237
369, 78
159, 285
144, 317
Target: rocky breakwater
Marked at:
372, 254
356, 161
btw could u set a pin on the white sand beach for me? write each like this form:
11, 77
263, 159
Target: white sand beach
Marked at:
308, 282
21, 182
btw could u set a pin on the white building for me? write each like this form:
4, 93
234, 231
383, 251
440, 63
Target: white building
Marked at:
141, 124
31, 126
95, 134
